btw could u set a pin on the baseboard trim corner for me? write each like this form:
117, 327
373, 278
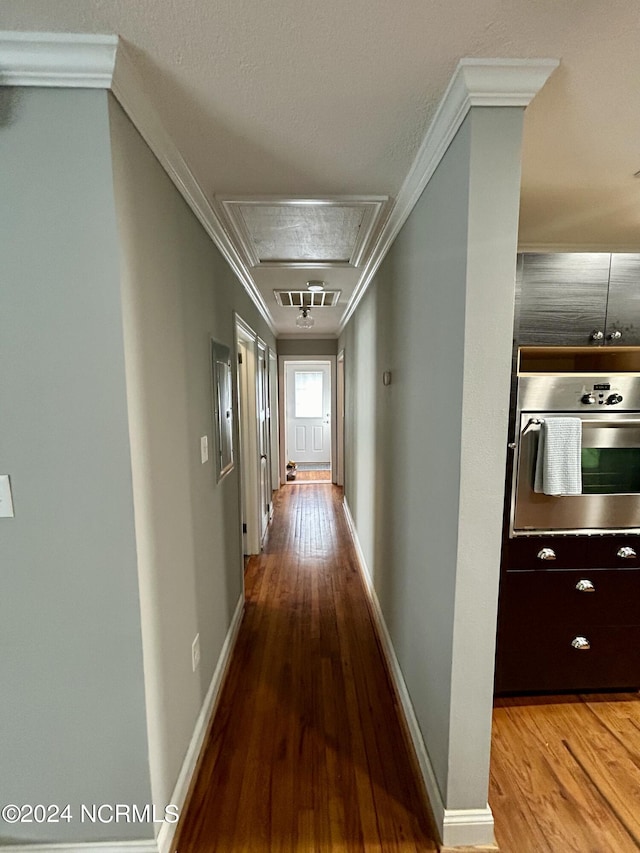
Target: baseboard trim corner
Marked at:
167, 831
456, 827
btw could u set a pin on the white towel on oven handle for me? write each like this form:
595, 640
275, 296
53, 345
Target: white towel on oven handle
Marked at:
558, 463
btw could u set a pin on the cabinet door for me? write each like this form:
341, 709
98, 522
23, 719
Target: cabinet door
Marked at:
563, 298
623, 309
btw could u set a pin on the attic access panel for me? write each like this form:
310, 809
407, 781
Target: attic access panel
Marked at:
272, 231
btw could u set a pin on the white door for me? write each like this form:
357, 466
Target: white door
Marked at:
273, 421
248, 445
262, 389
308, 411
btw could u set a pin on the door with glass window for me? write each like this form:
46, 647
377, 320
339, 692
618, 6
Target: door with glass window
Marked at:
308, 412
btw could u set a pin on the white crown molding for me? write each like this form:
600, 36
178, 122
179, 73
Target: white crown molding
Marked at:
72, 60
57, 59
475, 83
128, 89
101, 61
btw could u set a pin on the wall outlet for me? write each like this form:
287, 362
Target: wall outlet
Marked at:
195, 652
204, 448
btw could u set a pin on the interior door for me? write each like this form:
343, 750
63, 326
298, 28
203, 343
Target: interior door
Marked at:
262, 379
308, 412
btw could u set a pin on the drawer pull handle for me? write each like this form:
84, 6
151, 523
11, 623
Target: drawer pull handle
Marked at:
548, 554
626, 552
585, 586
581, 644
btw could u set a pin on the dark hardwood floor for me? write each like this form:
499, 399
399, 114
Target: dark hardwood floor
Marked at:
306, 751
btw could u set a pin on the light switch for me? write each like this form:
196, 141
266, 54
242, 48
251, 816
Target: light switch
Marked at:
6, 500
204, 448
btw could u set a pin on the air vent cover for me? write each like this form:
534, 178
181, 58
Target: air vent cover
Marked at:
307, 299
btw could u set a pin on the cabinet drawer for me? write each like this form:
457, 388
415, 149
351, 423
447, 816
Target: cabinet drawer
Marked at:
606, 597
605, 552
526, 552
542, 658
578, 552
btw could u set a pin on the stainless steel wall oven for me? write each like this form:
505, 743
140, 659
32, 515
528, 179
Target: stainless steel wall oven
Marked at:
609, 408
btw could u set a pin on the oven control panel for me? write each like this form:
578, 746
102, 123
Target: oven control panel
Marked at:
602, 395
575, 393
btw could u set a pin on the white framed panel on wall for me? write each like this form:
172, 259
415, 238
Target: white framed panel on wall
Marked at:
222, 408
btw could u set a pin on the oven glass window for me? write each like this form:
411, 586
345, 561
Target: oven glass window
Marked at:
610, 470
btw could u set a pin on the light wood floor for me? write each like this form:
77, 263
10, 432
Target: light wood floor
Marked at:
313, 477
306, 752
565, 774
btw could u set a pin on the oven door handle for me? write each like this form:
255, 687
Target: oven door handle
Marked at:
530, 423
617, 422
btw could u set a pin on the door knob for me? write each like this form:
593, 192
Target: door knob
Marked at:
546, 554
615, 335
626, 552
585, 586
581, 644
596, 335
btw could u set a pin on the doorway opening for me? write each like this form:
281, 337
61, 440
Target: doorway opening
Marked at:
308, 422
257, 421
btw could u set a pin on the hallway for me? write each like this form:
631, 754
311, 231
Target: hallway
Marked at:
306, 752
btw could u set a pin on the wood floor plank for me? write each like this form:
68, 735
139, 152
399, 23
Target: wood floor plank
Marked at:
560, 777
306, 751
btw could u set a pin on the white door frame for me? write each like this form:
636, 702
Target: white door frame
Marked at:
282, 360
274, 420
246, 405
262, 393
339, 478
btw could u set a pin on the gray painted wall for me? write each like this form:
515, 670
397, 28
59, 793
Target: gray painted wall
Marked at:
310, 346
177, 294
72, 713
425, 456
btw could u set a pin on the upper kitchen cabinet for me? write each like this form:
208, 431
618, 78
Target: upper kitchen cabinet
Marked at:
578, 299
563, 298
623, 307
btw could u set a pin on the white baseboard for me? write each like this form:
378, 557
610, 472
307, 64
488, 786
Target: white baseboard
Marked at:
168, 830
84, 847
163, 842
457, 827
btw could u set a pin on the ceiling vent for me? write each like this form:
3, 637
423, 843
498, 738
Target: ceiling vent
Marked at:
306, 298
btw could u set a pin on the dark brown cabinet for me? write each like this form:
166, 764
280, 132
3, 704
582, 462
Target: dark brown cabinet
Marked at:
575, 626
578, 299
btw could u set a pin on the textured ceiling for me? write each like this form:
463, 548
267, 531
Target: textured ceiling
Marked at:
300, 98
